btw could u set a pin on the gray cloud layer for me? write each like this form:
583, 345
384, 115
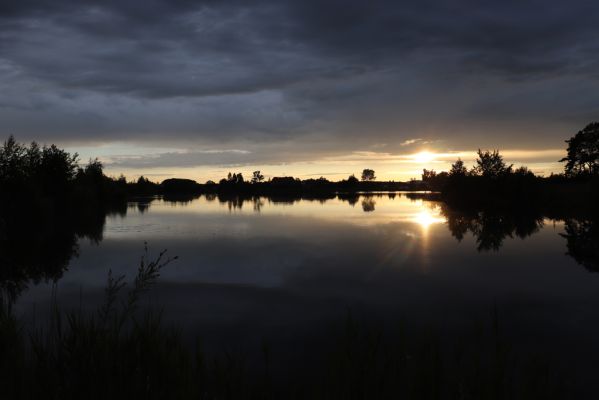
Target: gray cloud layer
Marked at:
328, 75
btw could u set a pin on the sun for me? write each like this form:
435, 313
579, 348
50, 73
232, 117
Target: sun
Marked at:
423, 157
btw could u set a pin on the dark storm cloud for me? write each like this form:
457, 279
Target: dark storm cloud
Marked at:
185, 48
350, 73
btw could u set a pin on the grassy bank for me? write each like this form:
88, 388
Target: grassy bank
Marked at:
123, 351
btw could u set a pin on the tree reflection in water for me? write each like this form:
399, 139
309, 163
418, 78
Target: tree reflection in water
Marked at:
582, 242
37, 247
368, 204
491, 228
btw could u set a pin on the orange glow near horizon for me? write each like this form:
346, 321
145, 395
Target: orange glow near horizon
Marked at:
423, 157
388, 166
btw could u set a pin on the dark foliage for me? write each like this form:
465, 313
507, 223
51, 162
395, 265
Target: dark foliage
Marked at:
493, 184
180, 186
257, 177
490, 164
583, 152
368, 175
47, 203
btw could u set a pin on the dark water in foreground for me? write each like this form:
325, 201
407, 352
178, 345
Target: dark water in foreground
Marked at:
262, 270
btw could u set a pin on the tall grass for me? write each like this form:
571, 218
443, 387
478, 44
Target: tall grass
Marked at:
123, 351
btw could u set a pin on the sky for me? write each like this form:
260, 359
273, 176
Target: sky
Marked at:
197, 88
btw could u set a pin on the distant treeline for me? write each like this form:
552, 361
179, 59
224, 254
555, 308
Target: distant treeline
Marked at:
49, 174
236, 184
289, 185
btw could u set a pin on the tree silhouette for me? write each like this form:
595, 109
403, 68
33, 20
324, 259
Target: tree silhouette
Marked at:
428, 175
180, 189
11, 160
434, 180
458, 169
352, 180
523, 171
491, 164
34, 170
235, 178
257, 177
46, 204
368, 175
583, 152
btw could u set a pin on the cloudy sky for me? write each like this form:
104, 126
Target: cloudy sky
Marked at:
195, 88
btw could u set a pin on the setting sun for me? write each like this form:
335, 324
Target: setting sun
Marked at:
423, 157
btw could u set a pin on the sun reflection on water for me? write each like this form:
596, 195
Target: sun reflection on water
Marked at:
427, 217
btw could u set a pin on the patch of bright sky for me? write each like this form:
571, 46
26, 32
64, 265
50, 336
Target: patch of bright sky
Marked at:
398, 167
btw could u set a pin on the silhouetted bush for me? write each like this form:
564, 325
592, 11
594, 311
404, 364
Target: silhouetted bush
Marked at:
180, 186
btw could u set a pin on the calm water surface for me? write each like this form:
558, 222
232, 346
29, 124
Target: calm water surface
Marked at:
255, 269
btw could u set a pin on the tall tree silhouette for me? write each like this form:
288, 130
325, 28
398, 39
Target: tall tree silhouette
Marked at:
368, 175
257, 177
583, 152
458, 168
490, 164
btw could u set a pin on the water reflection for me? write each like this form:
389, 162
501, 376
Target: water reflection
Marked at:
582, 241
427, 217
236, 202
37, 248
283, 267
491, 228
351, 198
368, 204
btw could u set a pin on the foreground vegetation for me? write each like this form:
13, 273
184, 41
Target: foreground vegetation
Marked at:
124, 351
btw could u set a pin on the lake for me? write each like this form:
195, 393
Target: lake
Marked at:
284, 271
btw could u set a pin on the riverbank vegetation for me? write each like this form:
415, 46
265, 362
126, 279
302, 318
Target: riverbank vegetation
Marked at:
49, 201
122, 350
51, 175
494, 183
